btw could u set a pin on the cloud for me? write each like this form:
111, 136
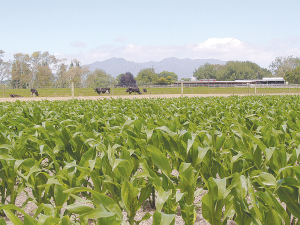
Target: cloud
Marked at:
78, 44
225, 49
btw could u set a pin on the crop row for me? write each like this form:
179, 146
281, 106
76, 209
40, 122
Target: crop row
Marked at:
83, 161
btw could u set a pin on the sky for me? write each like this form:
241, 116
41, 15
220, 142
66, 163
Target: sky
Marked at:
142, 31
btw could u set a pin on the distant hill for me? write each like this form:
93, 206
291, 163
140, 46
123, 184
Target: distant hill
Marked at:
184, 68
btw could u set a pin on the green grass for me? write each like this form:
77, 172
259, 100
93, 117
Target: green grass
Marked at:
66, 92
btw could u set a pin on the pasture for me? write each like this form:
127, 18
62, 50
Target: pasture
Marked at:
210, 160
81, 92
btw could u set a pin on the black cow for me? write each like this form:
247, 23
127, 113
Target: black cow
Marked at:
145, 90
102, 90
14, 96
34, 91
133, 89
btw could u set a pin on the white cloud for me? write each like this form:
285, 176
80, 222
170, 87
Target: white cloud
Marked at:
219, 43
218, 48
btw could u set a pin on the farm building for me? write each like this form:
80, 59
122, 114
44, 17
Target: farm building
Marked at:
266, 81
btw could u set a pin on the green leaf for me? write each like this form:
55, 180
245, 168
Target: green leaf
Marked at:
100, 199
267, 179
189, 145
98, 213
188, 213
160, 160
179, 196
257, 141
149, 134
79, 208
129, 196
6, 157
209, 204
289, 195
13, 218
162, 197
59, 196
202, 152
86, 156
65, 221
2, 221
160, 218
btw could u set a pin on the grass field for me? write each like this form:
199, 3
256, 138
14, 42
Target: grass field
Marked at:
66, 92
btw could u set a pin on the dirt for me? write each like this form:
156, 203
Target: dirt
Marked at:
132, 96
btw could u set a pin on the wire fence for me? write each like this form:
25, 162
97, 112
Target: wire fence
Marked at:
150, 89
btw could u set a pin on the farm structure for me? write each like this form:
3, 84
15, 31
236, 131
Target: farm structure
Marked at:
266, 81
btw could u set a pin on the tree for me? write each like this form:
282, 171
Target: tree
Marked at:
5, 71
243, 70
42, 65
147, 76
208, 71
76, 72
118, 78
61, 77
163, 80
4, 68
232, 70
99, 78
21, 74
1, 55
167, 74
185, 79
43, 77
293, 77
126, 80
281, 65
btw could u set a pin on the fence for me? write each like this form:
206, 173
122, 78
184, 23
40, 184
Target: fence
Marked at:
180, 88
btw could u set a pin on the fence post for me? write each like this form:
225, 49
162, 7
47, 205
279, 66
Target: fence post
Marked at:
72, 89
248, 88
181, 89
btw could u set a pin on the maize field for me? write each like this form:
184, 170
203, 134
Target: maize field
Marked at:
92, 162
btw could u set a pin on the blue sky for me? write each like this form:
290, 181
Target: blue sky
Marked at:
140, 31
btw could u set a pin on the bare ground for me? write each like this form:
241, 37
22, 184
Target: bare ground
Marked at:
132, 96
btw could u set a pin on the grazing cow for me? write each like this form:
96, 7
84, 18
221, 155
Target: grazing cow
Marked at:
145, 90
133, 89
34, 92
102, 90
14, 96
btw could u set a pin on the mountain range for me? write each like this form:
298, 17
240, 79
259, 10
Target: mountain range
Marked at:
183, 68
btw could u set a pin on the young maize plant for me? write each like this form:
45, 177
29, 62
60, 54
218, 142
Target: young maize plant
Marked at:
102, 162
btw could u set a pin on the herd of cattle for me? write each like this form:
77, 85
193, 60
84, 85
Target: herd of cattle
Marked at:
130, 90
98, 90
32, 90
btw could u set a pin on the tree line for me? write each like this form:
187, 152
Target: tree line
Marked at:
41, 69
286, 67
